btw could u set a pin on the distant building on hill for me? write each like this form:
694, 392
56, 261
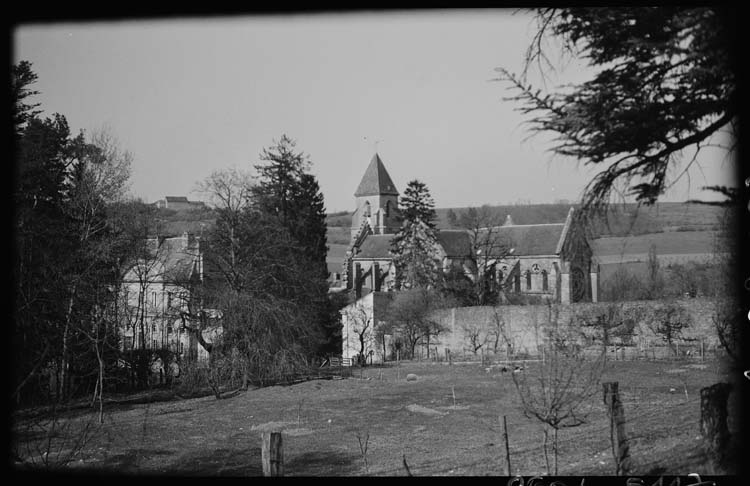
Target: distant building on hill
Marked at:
178, 203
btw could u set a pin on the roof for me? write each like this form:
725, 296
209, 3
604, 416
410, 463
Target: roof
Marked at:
176, 198
375, 247
455, 243
376, 180
530, 239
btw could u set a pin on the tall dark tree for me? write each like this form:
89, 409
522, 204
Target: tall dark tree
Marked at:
288, 192
414, 245
21, 78
279, 179
664, 88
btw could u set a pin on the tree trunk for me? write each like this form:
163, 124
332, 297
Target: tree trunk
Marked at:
713, 424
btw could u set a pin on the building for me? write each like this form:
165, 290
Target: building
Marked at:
547, 262
368, 265
178, 203
158, 301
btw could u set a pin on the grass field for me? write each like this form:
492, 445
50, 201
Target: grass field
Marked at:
421, 421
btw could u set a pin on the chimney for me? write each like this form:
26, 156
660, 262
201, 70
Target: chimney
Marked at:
357, 280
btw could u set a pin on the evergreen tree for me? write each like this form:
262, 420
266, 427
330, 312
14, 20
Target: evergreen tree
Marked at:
414, 246
665, 85
288, 192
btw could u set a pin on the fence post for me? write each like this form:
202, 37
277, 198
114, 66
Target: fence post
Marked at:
507, 449
272, 454
702, 351
713, 424
618, 438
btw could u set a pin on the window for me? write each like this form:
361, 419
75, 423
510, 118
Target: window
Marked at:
528, 280
387, 208
545, 281
153, 327
517, 282
153, 299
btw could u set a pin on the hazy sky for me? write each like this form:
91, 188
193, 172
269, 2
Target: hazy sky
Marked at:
190, 96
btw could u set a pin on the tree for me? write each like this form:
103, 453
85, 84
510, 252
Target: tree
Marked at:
559, 393
489, 249
609, 323
410, 315
288, 192
452, 218
474, 335
664, 84
414, 245
668, 321
21, 78
361, 323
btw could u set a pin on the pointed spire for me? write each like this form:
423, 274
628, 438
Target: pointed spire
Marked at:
376, 180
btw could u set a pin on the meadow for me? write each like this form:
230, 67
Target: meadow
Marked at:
446, 423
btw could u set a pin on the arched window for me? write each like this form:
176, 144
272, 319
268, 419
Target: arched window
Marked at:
545, 281
387, 208
517, 282
528, 279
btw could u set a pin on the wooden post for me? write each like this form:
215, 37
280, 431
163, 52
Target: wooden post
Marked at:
272, 454
702, 351
507, 449
713, 424
618, 438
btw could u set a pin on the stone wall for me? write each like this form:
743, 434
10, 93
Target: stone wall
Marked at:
526, 325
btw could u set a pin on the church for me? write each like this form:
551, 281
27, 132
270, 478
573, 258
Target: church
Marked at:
551, 262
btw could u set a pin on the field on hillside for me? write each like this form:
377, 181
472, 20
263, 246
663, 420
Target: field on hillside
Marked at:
446, 423
638, 247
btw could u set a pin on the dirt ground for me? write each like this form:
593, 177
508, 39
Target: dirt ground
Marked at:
447, 422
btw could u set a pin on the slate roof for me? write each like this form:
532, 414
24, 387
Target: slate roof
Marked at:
375, 247
456, 243
530, 239
376, 180
176, 198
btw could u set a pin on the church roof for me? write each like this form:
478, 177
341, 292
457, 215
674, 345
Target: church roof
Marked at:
455, 243
375, 247
376, 180
530, 239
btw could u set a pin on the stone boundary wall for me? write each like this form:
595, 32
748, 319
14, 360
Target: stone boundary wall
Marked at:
525, 325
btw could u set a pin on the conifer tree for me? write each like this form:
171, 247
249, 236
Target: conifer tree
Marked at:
414, 246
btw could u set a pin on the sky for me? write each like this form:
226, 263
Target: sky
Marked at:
194, 95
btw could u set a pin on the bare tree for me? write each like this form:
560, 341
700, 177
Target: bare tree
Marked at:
474, 335
559, 393
500, 333
410, 314
489, 249
668, 321
361, 322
